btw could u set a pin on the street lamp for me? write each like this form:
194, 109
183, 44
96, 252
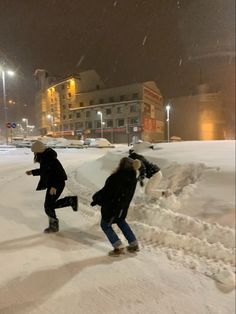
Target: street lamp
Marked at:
100, 114
168, 122
10, 73
26, 124
50, 117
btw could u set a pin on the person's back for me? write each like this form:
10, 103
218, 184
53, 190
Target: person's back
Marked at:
114, 199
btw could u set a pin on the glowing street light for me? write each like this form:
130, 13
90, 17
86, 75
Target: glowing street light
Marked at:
102, 123
168, 122
26, 121
50, 118
3, 73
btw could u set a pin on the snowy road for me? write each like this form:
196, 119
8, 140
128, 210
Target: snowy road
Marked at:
70, 272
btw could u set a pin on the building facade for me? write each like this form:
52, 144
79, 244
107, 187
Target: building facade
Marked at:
81, 106
198, 117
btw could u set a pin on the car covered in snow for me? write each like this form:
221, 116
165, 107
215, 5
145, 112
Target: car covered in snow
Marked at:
98, 142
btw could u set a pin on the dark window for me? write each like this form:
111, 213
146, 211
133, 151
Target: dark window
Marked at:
133, 108
122, 97
63, 97
64, 117
98, 124
65, 127
108, 111
91, 103
62, 86
69, 95
88, 124
79, 125
120, 122
70, 116
111, 99
78, 115
101, 101
87, 114
81, 104
69, 105
97, 86
119, 110
135, 96
109, 123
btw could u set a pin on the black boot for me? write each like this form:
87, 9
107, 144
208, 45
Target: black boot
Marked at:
53, 225
68, 201
74, 203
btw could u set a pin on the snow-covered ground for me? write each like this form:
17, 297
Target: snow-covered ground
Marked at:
186, 263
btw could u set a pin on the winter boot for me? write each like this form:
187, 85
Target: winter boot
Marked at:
74, 203
53, 225
117, 251
132, 248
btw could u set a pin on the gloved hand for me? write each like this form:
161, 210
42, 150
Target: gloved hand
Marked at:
28, 172
93, 203
53, 191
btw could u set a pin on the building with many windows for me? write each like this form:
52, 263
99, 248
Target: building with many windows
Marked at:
80, 106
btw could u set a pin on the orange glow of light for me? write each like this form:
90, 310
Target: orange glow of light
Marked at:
72, 82
207, 131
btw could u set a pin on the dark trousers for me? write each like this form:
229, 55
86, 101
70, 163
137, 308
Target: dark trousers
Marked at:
52, 202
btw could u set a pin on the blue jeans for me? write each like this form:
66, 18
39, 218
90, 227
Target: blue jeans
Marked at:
113, 237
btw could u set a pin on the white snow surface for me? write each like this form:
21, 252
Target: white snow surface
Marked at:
187, 259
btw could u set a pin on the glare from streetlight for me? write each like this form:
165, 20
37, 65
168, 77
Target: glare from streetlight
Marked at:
11, 73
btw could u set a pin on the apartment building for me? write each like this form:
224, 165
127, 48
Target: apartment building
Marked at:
81, 106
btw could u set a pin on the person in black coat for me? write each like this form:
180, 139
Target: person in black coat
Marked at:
114, 199
52, 178
150, 171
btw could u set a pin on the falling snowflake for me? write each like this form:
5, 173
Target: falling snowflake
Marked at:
144, 40
80, 61
180, 62
115, 3
178, 4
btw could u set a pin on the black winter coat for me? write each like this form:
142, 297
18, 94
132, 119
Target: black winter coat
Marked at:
147, 169
116, 195
51, 172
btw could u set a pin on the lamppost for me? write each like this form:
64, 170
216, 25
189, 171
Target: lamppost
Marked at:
50, 117
10, 73
100, 114
26, 124
168, 122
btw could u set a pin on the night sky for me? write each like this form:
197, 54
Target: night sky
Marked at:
124, 40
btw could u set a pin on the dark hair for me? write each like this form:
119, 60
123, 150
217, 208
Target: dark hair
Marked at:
125, 163
37, 157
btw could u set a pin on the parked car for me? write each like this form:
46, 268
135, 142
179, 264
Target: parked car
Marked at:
98, 142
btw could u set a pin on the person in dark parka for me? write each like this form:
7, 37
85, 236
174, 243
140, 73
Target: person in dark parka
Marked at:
52, 178
150, 171
114, 199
